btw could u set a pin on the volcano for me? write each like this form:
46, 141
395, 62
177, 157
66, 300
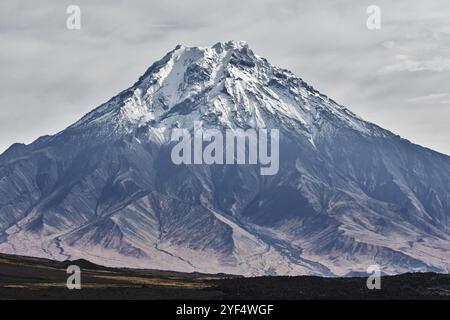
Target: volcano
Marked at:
348, 193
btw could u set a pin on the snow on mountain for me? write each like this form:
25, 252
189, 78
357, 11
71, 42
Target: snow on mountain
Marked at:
348, 193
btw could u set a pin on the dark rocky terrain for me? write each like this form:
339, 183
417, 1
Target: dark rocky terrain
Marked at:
32, 278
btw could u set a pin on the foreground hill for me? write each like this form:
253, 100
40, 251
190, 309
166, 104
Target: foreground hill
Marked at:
33, 278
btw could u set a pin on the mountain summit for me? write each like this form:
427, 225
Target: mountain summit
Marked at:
348, 194
225, 85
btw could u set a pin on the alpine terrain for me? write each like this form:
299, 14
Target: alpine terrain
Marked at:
348, 193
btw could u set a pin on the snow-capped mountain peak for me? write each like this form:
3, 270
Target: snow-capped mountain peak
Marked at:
224, 85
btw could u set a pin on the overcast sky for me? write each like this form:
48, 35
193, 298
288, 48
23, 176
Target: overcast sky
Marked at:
397, 77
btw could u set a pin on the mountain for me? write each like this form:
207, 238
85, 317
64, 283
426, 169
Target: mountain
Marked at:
347, 194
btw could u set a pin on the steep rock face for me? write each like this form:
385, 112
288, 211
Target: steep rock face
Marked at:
347, 194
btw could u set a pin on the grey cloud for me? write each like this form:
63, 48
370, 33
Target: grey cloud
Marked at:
404, 63
432, 99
